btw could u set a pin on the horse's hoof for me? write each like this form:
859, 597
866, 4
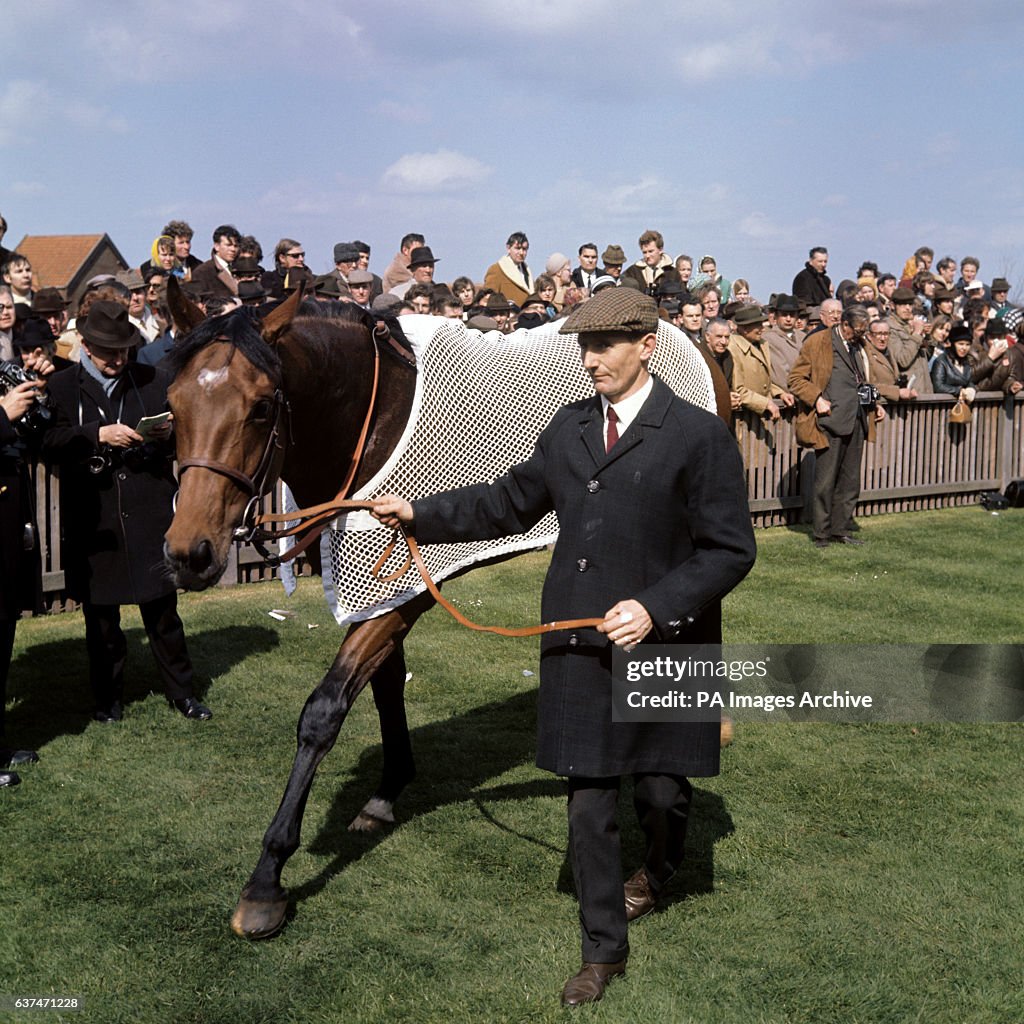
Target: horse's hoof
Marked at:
367, 823
375, 816
727, 732
259, 919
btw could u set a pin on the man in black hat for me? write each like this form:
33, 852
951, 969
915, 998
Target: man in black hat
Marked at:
49, 305
117, 486
421, 266
346, 257
651, 499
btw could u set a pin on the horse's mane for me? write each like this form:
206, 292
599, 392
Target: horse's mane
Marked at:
355, 314
240, 328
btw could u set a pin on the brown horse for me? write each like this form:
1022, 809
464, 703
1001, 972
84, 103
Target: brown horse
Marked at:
254, 400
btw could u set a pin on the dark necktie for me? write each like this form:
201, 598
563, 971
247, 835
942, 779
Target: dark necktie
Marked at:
613, 430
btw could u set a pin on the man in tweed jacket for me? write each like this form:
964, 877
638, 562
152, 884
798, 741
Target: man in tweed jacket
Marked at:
654, 531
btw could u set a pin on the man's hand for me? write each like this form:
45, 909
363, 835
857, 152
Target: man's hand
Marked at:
162, 432
40, 363
787, 400
626, 623
19, 400
822, 406
119, 435
392, 510
736, 400
771, 411
907, 393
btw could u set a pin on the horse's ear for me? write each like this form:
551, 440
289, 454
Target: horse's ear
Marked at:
185, 314
280, 319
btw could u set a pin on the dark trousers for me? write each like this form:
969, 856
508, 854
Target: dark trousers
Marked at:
108, 649
837, 484
662, 804
6, 648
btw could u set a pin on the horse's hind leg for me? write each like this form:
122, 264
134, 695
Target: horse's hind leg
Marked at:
399, 768
263, 904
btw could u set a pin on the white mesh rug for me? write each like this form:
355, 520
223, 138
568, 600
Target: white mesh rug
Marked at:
481, 402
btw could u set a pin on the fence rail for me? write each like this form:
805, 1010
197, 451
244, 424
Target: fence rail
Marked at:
919, 461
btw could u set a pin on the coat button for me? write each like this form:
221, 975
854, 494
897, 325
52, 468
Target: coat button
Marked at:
593, 486
574, 640
122, 476
583, 565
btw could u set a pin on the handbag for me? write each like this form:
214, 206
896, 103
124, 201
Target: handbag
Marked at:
961, 412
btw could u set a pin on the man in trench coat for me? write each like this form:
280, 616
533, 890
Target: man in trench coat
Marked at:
117, 492
654, 531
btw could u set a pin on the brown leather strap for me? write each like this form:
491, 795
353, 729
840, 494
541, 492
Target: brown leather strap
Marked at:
417, 559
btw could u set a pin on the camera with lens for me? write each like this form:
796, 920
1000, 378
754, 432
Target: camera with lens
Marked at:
867, 394
40, 413
902, 381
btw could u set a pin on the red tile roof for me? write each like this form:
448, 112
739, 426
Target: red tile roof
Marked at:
56, 259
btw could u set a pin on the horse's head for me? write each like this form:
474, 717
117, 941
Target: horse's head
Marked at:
231, 428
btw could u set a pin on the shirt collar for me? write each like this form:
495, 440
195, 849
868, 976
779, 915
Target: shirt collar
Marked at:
627, 409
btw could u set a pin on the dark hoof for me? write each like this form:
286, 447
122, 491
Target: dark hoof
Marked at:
259, 919
367, 823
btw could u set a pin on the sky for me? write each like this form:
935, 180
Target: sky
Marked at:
748, 129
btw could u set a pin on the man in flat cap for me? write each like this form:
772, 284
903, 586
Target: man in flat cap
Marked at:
908, 342
655, 530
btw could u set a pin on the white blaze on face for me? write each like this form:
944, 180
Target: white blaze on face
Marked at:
208, 380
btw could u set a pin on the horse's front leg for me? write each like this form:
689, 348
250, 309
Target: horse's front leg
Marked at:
261, 910
399, 768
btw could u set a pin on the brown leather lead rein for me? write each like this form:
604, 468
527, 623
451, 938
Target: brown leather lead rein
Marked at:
318, 515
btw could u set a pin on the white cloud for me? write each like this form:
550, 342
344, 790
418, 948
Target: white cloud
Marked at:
20, 104
441, 171
27, 189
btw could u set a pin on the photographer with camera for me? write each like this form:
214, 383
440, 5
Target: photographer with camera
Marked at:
23, 414
117, 488
838, 409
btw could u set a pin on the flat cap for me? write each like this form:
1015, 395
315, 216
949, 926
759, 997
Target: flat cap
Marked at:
358, 276
614, 309
902, 295
132, 279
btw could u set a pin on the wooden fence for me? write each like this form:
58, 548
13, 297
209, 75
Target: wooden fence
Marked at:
920, 461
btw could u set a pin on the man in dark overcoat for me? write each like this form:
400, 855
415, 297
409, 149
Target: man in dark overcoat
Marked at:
654, 531
117, 489
20, 582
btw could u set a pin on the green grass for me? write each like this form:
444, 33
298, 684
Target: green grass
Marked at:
835, 874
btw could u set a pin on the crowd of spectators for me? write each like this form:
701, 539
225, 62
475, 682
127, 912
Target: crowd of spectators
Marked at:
943, 331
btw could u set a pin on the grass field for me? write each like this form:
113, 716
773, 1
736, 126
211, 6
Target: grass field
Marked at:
841, 874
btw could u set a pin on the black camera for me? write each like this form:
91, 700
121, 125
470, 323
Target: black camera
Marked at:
902, 381
40, 413
867, 394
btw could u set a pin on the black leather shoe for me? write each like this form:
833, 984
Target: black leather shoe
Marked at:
109, 715
846, 539
821, 543
641, 898
588, 985
191, 708
9, 779
16, 758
